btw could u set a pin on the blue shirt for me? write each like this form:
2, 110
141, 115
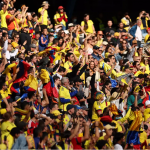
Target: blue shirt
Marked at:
20, 143
36, 141
43, 46
96, 56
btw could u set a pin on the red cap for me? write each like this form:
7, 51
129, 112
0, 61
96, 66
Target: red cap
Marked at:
100, 84
148, 29
60, 7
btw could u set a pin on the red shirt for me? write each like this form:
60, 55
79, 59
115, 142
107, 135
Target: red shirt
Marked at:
77, 143
10, 24
31, 126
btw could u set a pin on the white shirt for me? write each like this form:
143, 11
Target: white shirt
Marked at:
138, 34
118, 147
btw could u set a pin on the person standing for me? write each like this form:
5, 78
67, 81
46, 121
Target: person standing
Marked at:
144, 17
136, 32
126, 21
11, 21
43, 14
25, 39
3, 14
87, 25
60, 17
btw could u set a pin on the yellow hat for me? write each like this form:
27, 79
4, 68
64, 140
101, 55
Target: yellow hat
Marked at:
116, 34
14, 44
56, 112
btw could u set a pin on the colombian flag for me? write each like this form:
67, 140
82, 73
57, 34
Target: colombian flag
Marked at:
31, 84
132, 136
21, 76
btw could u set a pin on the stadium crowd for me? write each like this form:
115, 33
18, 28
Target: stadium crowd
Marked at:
68, 86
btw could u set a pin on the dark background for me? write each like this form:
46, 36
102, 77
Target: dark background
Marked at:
107, 8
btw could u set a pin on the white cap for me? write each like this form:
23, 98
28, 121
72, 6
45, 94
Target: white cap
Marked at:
147, 102
66, 31
36, 111
105, 43
70, 25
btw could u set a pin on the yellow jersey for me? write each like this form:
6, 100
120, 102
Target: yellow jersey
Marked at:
90, 26
3, 18
68, 66
45, 16
63, 22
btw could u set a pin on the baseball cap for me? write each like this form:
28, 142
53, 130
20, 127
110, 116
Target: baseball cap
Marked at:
36, 111
101, 84
105, 43
134, 42
108, 126
70, 107
44, 3
56, 113
14, 44
33, 46
50, 30
147, 102
116, 34
60, 7
70, 25
95, 47
66, 31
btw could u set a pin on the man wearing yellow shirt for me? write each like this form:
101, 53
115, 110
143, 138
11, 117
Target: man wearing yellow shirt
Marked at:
98, 105
3, 14
65, 95
44, 14
68, 65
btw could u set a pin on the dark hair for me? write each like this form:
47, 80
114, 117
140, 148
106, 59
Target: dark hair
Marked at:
4, 34
107, 48
32, 56
61, 69
52, 105
2, 82
37, 32
3, 5
7, 116
68, 55
30, 70
106, 60
31, 94
36, 131
14, 131
55, 41
45, 134
34, 15
101, 143
140, 105
85, 22
24, 104
32, 114
134, 63
55, 78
